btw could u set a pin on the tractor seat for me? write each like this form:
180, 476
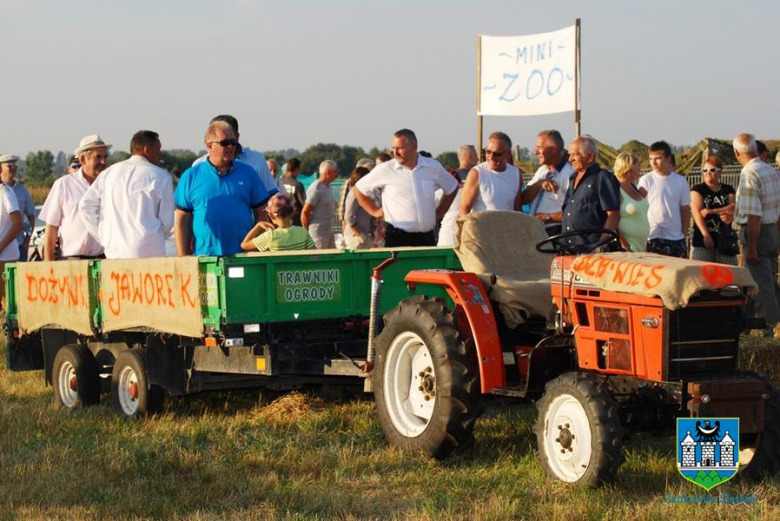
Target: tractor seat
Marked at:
503, 244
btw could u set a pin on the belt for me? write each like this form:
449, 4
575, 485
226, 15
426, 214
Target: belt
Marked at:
392, 229
86, 257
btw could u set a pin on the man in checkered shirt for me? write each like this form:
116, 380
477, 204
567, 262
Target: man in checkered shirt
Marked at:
757, 212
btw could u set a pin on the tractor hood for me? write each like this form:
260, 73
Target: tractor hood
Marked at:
671, 279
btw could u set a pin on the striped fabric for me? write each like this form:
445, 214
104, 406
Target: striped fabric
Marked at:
284, 239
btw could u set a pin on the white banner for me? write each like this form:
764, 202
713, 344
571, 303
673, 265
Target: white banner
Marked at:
528, 75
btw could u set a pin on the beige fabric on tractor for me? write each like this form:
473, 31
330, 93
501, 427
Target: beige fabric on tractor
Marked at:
674, 280
504, 244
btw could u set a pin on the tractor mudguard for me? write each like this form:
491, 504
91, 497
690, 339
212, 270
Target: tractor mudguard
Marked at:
466, 291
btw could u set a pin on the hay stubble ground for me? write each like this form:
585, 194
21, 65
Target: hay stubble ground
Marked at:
231, 455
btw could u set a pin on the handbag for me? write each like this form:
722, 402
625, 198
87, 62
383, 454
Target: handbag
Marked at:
727, 241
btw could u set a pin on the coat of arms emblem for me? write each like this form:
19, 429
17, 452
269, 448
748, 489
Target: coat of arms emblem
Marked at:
708, 450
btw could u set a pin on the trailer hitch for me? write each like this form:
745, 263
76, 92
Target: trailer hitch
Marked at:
376, 287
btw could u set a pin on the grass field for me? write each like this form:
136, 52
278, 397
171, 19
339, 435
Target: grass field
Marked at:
234, 456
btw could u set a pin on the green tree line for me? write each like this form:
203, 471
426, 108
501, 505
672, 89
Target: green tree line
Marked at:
41, 168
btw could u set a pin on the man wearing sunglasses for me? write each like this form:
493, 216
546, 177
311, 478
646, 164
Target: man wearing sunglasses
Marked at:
218, 200
251, 157
493, 184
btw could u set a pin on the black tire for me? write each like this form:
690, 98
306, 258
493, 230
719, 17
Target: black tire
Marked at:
423, 331
576, 406
131, 392
75, 377
766, 456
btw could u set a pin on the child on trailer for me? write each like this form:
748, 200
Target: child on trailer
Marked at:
285, 237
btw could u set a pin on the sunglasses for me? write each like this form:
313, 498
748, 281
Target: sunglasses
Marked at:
710, 170
226, 142
75, 166
495, 152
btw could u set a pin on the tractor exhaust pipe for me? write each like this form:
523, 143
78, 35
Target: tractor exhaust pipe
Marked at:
376, 287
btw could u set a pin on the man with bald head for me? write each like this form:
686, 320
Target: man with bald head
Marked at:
756, 213
218, 200
408, 186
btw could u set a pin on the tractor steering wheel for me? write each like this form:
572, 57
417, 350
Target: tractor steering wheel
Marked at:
558, 247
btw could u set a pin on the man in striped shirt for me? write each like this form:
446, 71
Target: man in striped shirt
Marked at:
757, 212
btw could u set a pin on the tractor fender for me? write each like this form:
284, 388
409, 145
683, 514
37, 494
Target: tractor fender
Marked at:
468, 294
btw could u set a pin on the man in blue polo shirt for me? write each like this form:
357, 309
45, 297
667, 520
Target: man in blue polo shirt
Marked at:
219, 200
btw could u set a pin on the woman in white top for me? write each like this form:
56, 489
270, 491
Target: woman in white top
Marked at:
494, 184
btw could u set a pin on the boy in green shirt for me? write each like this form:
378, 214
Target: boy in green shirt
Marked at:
285, 237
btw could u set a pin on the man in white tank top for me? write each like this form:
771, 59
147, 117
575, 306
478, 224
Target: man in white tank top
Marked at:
494, 184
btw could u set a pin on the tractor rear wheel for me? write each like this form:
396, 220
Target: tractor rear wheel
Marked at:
764, 456
578, 430
427, 387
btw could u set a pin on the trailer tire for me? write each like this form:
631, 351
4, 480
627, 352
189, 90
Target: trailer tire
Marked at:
765, 457
75, 377
427, 386
578, 430
131, 392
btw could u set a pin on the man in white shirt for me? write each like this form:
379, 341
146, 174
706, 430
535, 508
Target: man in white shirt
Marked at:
669, 198
494, 184
129, 209
246, 155
546, 191
60, 211
408, 186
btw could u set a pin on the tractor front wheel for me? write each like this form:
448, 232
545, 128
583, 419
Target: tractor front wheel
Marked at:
578, 431
427, 387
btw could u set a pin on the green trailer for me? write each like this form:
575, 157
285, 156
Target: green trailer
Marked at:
144, 328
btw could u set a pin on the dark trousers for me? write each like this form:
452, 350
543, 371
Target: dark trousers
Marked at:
668, 247
396, 237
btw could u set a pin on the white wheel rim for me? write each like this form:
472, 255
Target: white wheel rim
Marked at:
567, 438
68, 395
409, 368
128, 379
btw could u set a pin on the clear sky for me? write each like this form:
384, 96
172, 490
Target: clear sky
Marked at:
299, 72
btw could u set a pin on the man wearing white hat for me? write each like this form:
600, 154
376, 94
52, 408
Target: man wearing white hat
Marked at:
129, 209
26, 205
60, 211
10, 226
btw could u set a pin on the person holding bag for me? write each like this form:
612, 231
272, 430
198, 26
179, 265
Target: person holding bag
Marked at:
712, 205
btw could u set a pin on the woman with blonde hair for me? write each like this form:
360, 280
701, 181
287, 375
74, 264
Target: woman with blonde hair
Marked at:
712, 206
633, 226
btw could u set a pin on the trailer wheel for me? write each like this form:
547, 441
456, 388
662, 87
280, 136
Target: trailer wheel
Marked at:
578, 430
75, 377
130, 389
764, 456
427, 389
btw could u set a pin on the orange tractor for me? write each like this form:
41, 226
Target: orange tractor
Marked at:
604, 343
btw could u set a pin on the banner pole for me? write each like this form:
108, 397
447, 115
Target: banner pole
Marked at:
577, 67
479, 99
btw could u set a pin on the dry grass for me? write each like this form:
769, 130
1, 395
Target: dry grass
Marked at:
234, 456
38, 193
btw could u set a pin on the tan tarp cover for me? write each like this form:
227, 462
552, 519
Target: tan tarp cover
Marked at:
160, 293
54, 293
504, 244
674, 280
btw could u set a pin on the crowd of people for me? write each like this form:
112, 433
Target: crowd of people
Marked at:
232, 199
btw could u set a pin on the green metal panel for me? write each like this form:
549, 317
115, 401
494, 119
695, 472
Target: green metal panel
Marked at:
11, 306
285, 288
